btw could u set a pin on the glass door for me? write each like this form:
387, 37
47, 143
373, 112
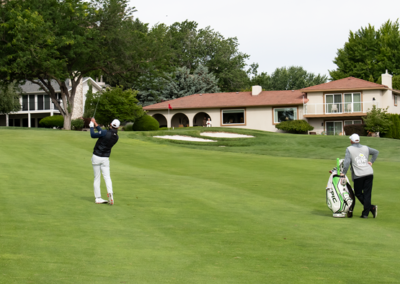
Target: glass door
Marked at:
352, 102
334, 127
333, 103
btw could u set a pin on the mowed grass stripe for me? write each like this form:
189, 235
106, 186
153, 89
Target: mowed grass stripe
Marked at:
185, 216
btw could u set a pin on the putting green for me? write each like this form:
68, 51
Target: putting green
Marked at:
186, 215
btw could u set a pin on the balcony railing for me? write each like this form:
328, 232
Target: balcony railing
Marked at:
338, 108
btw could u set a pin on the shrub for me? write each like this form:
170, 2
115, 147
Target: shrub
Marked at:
78, 123
113, 103
377, 120
52, 121
128, 126
355, 128
145, 123
294, 126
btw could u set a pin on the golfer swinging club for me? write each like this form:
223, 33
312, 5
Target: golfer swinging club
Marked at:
100, 159
362, 173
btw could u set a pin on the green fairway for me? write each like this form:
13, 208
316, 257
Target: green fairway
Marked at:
251, 212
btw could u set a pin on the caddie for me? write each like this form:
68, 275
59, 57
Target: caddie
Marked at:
100, 159
357, 156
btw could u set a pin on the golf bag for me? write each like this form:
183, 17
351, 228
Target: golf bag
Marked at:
339, 193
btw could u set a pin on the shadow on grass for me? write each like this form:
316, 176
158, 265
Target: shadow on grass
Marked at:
87, 198
322, 213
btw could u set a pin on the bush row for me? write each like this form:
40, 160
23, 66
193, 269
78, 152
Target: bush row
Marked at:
52, 121
394, 129
294, 126
355, 128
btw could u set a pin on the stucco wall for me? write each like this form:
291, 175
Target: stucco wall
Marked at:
317, 123
258, 118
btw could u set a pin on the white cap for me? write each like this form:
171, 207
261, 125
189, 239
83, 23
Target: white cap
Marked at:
355, 138
115, 123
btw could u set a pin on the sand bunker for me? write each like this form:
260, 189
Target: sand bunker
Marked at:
225, 135
184, 138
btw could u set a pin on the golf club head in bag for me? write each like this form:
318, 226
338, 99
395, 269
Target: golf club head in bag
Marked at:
339, 193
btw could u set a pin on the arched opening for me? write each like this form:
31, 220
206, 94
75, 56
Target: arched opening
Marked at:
162, 121
180, 120
200, 119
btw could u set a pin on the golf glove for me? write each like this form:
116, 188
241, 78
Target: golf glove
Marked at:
91, 124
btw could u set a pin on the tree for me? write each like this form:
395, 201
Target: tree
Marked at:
377, 120
114, 103
291, 78
9, 98
369, 52
45, 41
180, 84
295, 78
258, 79
193, 47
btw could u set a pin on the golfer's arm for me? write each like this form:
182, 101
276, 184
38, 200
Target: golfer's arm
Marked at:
99, 134
374, 154
346, 162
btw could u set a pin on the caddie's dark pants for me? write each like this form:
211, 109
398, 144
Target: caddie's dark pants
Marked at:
363, 190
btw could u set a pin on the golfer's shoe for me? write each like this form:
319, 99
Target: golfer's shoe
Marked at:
100, 201
110, 198
374, 210
364, 217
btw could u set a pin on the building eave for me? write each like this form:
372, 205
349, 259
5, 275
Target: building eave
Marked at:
345, 90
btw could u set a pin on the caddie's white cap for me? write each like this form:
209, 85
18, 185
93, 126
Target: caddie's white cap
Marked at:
115, 123
355, 138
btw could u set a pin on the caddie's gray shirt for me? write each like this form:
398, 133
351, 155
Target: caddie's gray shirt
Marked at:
357, 155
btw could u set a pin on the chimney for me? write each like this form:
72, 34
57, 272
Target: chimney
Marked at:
387, 80
256, 90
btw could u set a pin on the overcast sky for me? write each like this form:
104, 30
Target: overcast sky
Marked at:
277, 33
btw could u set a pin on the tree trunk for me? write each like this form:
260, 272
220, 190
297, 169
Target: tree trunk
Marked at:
67, 121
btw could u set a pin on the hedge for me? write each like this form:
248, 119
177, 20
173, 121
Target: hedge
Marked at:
294, 126
394, 129
355, 128
77, 124
128, 126
146, 123
52, 121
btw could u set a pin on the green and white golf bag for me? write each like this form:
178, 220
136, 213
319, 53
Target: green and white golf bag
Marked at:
339, 193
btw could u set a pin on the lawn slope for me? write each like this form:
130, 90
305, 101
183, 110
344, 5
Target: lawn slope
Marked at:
187, 214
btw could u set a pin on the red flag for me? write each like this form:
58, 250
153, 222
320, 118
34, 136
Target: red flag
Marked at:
169, 106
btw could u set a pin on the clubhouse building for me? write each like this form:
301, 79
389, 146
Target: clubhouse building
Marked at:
36, 104
327, 107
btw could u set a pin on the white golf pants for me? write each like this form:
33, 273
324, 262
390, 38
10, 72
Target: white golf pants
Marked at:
101, 164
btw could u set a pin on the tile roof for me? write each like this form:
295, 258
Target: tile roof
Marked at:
240, 99
29, 87
349, 83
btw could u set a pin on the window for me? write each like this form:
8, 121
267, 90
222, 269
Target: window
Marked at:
31, 102
334, 127
24, 102
285, 114
233, 116
395, 100
40, 102
352, 102
46, 102
333, 103
349, 122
